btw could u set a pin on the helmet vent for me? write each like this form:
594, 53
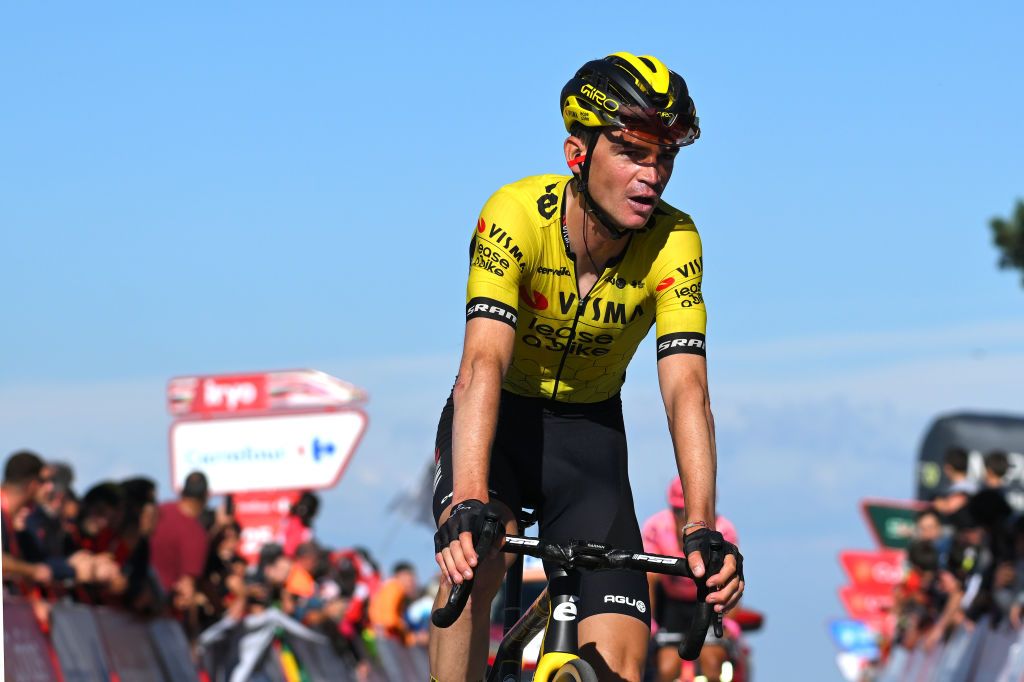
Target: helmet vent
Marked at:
649, 63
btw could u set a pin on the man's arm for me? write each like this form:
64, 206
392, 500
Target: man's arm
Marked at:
684, 390
39, 573
486, 354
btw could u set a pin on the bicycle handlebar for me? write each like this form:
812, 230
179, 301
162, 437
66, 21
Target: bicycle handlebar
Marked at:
449, 613
592, 555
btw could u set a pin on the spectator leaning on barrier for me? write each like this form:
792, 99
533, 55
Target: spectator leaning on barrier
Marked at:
388, 604
178, 543
22, 480
954, 498
223, 582
997, 464
928, 528
298, 527
265, 584
138, 523
46, 520
301, 583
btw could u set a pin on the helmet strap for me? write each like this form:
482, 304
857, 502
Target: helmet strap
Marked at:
588, 201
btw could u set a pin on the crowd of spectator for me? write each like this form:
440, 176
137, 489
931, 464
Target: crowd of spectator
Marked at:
116, 546
966, 560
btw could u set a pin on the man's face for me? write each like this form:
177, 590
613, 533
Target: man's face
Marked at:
277, 572
44, 488
628, 176
408, 579
929, 528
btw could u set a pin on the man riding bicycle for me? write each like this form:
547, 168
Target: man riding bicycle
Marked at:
567, 275
673, 598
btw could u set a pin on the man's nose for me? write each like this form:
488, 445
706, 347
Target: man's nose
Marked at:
650, 173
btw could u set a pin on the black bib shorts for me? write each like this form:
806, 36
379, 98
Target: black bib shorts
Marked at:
568, 463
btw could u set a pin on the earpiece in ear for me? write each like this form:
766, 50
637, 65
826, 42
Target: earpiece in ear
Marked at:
577, 160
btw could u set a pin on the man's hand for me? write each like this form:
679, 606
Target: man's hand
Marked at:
42, 574
82, 563
727, 585
460, 540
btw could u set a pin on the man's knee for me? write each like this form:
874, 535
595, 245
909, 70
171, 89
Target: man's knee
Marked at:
669, 664
615, 645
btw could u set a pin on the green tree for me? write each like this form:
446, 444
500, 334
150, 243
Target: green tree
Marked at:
1008, 236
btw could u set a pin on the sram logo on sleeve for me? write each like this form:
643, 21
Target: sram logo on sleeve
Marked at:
681, 342
490, 308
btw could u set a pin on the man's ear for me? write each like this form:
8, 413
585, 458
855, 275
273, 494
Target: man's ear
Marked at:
575, 153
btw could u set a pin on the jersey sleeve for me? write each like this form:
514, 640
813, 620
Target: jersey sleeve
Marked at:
503, 247
680, 316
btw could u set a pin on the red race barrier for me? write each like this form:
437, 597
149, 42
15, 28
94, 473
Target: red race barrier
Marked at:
26, 650
75, 635
127, 642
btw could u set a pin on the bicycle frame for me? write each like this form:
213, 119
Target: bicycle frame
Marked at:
554, 609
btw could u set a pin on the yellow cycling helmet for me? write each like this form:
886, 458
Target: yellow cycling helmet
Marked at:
640, 95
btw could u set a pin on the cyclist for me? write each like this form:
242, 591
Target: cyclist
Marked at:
673, 599
567, 275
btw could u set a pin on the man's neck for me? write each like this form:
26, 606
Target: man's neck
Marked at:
13, 499
587, 235
190, 508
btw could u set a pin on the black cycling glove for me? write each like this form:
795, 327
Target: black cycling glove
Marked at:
713, 548
473, 516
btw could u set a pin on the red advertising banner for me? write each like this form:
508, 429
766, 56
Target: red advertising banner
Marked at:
866, 602
873, 569
232, 394
261, 516
26, 652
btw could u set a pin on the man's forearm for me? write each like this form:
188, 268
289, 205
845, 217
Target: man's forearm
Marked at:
693, 437
476, 396
14, 567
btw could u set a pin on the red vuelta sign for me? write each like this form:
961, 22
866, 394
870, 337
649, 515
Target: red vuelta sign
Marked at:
866, 603
883, 569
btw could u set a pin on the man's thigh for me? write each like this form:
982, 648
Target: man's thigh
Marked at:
615, 645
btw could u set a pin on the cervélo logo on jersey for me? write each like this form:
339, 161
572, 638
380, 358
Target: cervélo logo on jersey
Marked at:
491, 309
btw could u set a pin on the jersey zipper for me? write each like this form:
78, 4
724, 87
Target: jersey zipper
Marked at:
581, 305
572, 334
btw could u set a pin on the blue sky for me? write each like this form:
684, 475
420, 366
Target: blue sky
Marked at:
247, 186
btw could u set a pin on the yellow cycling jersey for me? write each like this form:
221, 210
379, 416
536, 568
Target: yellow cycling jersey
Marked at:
569, 348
